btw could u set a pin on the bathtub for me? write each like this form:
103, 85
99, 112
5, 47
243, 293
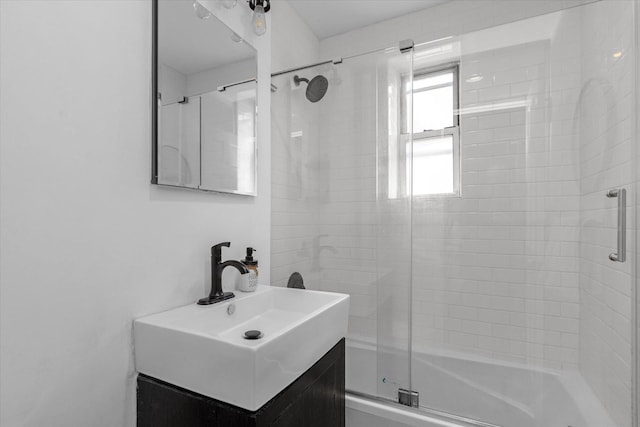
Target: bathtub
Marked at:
497, 393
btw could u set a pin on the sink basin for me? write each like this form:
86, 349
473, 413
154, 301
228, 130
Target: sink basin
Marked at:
203, 349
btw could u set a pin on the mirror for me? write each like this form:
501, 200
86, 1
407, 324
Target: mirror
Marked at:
205, 88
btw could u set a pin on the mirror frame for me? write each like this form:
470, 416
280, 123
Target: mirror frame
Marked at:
155, 96
154, 92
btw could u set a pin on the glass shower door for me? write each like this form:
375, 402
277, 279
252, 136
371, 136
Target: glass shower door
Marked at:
608, 229
335, 219
394, 78
520, 317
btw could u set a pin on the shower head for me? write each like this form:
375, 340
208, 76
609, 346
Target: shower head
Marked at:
316, 88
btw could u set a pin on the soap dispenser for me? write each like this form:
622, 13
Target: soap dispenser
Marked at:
251, 282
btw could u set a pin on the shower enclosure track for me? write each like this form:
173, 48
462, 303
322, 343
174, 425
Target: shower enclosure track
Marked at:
403, 45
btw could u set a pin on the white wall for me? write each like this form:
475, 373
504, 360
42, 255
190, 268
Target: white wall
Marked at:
293, 43
87, 243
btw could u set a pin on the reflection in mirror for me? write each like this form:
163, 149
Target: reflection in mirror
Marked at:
206, 99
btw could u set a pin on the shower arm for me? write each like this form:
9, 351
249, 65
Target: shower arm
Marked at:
297, 80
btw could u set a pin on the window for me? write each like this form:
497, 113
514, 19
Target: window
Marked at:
436, 135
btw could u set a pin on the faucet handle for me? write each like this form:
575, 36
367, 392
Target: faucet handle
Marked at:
216, 250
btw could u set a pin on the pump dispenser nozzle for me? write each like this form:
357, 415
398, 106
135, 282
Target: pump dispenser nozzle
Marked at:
249, 257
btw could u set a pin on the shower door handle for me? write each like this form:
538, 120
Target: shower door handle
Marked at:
621, 195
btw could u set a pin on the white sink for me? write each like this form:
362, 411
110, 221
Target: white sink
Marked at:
202, 348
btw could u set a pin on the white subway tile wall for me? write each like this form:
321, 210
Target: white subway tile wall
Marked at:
495, 271
295, 201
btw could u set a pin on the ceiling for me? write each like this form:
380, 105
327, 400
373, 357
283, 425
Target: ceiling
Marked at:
328, 18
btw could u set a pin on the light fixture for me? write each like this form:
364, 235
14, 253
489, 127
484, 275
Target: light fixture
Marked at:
229, 4
259, 20
201, 11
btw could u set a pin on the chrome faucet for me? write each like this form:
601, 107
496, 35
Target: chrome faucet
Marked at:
217, 267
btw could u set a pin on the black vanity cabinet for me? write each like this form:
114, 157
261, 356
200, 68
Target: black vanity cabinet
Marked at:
315, 399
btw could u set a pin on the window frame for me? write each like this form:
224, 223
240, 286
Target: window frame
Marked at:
427, 134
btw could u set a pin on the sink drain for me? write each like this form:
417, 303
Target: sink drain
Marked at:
252, 335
